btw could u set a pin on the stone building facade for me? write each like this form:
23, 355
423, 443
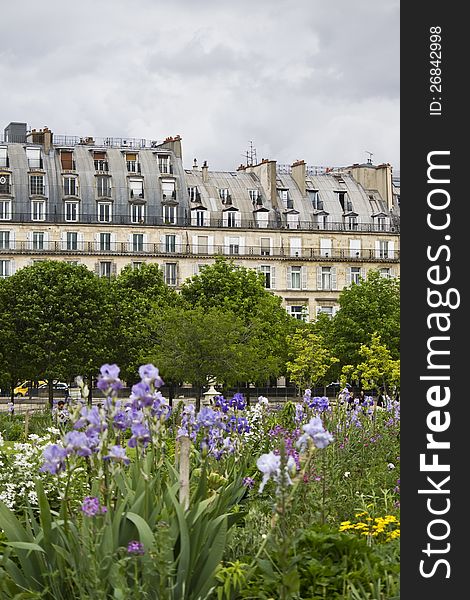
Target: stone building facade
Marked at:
110, 202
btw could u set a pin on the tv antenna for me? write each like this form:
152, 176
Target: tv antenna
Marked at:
250, 156
369, 160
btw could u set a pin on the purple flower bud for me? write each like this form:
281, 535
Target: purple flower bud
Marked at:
135, 547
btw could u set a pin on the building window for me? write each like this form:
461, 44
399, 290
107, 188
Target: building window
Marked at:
136, 188
317, 203
385, 273
100, 162
34, 158
321, 221
346, 204
295, 278
326, 247
295, 246
137, 242
5, 268
136, 265
132, 164
265, 246
137, 213
255, 197
5, 210
38, 210
5, 184
105, 268
202, 244
4, 162
104, 212
164, 165
38, 240
4, 240
193, 194
71, 240
352, 223
170, 243
200, 218
231, 219
168, 189
285, 198
326, 278
104, 242
382, 249
298, 311
354, 275
354, 248
225, 196
326, 310
233, 245
169, 214
36, 183
170, 271
380, 223
71, 211
103, 186
66, 160
269, 276
70, 186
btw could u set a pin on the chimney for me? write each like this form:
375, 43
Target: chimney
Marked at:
173, 144
195, 167
47, 140
298, 175
205, 172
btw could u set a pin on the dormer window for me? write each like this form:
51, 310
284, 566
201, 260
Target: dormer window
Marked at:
285, 198
100, 162
34, 158
132, 162
317, 203
70, 186
4, 162
36, 185
193, 194
346, 204
5, 187
351, 222
136, 188
169, 214
231, 218
255, 197
168, 189
164, 164
225, 196
66, 160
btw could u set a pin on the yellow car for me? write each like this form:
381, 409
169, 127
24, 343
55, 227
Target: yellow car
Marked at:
23, 388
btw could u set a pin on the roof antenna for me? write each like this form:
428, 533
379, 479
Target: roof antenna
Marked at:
250, 156
369, 160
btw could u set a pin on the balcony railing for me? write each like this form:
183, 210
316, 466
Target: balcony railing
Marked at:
216, 222
137, 247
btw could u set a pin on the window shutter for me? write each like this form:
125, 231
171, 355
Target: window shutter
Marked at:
113, 242
319, 286
97, 246
391, 249
226, 245
333, 279
162, 243
29, 239
113, 268
392, 272
377, 249
210, 244
97, 269
241, 244
80, 241
335, 309
273, 278
363, 273
303, 277
145, 242
12, 267
12, 240
348, 276
289, 278
178, 244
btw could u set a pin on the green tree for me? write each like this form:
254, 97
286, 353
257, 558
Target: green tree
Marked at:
242, 292
54, 322
309, 358
376, 369
196, 345
371, 306
136, 294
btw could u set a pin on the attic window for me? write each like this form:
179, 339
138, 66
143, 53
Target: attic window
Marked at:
66, 160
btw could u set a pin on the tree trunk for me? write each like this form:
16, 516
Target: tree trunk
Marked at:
90, 390
50, 384
198, 397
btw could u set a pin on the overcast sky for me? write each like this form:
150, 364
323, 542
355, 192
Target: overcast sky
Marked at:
303, 79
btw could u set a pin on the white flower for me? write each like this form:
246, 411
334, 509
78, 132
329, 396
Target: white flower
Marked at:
391, 466
263, 400
347, 474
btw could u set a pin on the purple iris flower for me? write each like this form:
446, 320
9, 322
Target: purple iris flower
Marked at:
109, 378
54, 459
141, 395
91, 507
78, 442
118, 454
150, 374
140, 435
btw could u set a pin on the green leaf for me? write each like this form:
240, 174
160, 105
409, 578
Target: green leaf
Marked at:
26, 546
145, 533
